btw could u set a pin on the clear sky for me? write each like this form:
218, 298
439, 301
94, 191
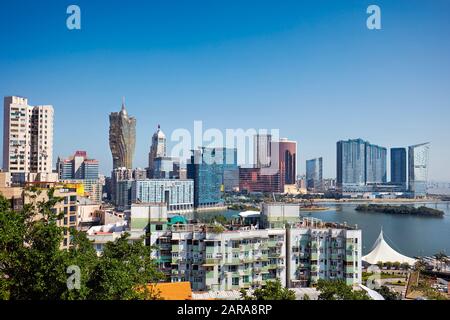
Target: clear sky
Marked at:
310, 68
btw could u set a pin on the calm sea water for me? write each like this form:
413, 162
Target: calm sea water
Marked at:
410, 235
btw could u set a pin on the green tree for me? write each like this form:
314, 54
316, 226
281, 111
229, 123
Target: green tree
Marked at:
32, 265
420, 265
339, 290
273, 290
123, 271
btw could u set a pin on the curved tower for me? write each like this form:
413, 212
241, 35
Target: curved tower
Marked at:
122, 138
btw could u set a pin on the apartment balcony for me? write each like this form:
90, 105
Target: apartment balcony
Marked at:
212, 260
246, 272
234, 261
350, 269
209, 249
164, 246
275, 254
246, 260
175, 248
198, 260
349, 258
304, 265
257, 270
314, 256
272, 243
245, 247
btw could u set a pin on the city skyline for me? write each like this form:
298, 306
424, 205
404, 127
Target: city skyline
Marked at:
249, 72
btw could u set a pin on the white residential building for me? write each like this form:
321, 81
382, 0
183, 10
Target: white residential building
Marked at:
27, 137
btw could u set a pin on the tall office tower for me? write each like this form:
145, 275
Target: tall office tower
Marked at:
77, 166
27, 137
206, 169
262, 150
230, 178
376, 171
157, 150
287, 158
122, 138
351, 162
418, 169
398, 166
359, 165
314, 174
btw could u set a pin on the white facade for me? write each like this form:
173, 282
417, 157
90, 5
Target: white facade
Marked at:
27, 137
323, 253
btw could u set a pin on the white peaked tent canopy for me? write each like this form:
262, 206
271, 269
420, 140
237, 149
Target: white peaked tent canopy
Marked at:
381, 251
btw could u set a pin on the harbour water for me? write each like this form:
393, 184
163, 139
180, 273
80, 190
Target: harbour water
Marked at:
410, 235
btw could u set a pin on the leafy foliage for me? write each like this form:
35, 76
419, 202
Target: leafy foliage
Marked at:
402, 209
339, 290
273, 290
32, 265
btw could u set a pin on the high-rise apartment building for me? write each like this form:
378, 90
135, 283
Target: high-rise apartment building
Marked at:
351, 162
122, 138
319, 251
359, 164
398, 166
418, 169
314, 178
213, 260
27, 137
376, 171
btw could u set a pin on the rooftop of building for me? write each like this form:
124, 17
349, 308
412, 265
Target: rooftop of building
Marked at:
172, 290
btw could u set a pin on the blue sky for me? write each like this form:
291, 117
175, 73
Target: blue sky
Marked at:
310, 68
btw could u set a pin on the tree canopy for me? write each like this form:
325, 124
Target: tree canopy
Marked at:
273, 290
34, 267
339, 290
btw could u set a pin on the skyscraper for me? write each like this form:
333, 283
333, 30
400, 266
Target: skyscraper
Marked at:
359, 163
314, 174
122, 138
376, 171
157, 150
398, 166
287, 161
418, 168
27, 137
262, 150
206, 169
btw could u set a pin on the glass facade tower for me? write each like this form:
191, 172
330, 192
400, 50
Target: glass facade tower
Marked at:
418, 169
314, 174
398, 166
360, 164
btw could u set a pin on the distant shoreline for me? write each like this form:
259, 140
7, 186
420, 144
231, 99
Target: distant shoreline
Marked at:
412, 201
